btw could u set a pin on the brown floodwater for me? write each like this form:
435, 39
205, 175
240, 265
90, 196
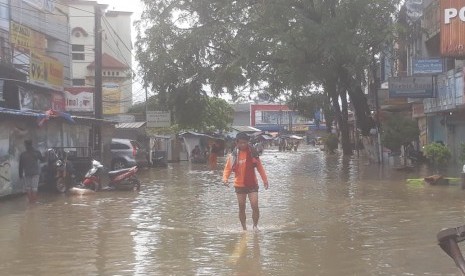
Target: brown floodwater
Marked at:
323, 215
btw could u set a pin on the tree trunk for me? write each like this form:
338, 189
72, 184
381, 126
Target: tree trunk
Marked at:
344, 126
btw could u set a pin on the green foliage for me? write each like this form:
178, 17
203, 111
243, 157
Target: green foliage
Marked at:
279, 46
307, 105
399, 130
437, 153
191, 111
331, 142
219, 115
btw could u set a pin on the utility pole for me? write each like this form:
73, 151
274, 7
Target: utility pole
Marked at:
374, 89
98, 79
98, 63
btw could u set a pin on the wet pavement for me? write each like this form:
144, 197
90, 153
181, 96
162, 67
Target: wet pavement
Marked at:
323, 215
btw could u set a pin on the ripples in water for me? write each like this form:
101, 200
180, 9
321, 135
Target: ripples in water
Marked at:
323, 215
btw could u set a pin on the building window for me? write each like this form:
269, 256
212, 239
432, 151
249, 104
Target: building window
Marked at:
79, 82
77, 52
117, 73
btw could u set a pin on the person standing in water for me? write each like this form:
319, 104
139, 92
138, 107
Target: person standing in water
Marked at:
243, 161
29, 168
213, 157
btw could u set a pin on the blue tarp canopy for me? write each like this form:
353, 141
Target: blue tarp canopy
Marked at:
270, 128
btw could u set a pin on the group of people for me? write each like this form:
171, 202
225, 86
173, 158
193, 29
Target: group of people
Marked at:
210, 154
288, 145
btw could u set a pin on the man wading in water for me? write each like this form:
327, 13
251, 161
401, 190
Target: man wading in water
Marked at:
29, 169
243, 161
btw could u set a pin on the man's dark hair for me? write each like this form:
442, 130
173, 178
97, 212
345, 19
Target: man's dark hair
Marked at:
242, 136
28, 143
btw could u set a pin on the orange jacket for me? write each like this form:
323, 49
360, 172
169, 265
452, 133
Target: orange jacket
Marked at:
239, 172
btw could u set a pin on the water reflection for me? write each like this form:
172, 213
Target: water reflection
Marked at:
323, 215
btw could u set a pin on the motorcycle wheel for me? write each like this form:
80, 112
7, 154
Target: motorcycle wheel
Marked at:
61, 185
135, 184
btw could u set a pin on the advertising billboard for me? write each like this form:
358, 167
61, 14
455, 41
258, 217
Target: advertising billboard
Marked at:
111, 99
79, 99
452, 28
46, 72
26, 39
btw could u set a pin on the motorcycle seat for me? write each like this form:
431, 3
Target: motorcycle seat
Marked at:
113, 173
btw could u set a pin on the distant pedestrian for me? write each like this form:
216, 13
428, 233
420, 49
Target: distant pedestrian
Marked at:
213, 157
196, 154
29, 170
243, 161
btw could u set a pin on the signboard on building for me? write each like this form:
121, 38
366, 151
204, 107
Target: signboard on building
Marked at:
411, 87
79, 99
427, 66
26, 39
452, 28
31, 98
111, 93
46, 72
46, 5
158, 118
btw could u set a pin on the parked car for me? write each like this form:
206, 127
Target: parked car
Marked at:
127, 153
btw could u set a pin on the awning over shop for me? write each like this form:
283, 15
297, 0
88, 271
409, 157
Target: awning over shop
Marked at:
23, 113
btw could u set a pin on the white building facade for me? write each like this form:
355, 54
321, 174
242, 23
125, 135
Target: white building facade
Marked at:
116, 58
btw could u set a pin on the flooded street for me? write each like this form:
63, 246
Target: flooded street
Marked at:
323, 215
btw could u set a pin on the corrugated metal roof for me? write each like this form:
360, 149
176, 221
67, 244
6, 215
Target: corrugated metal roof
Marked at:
130, 125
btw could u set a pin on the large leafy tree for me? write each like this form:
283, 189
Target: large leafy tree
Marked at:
283, 47
192, 112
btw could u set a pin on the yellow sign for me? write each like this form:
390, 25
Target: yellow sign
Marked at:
111, 99
26, 39
46, 71
299, 128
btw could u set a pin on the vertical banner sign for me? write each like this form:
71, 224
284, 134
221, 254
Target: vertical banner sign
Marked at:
452, 28
111, 99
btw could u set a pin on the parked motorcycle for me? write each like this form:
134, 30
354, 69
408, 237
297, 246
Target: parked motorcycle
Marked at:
125, 179
59, 172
